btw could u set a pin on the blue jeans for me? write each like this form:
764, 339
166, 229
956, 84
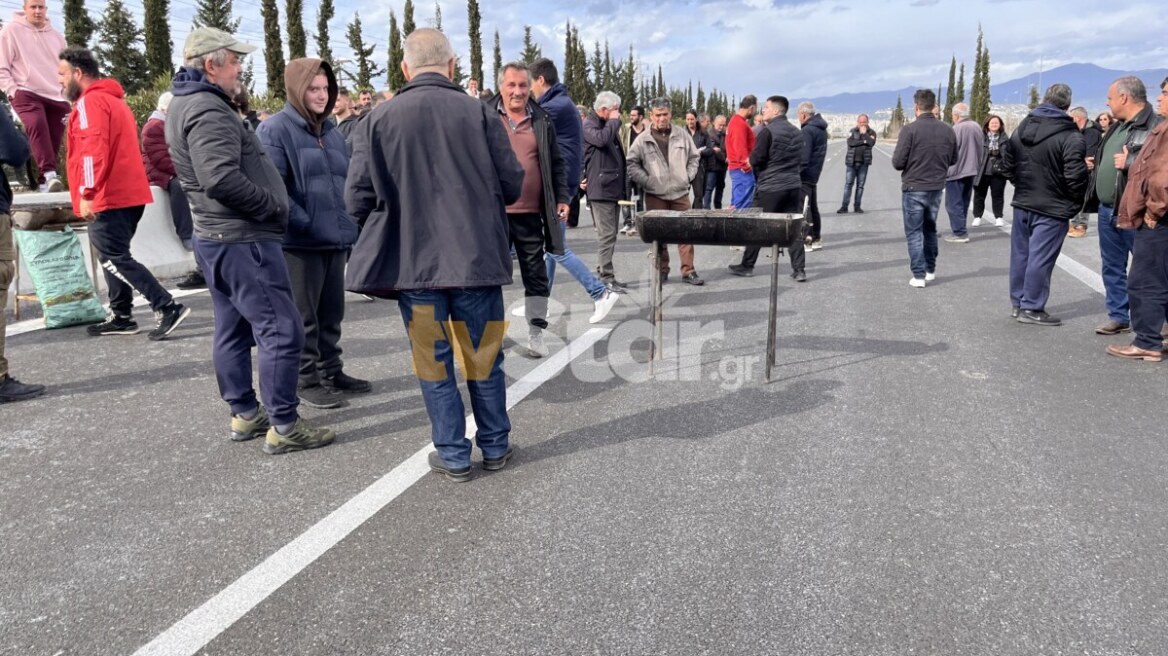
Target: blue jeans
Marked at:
475, 314
741, 189
920, 229
857, 175
576, 267
1035, 243
1115, 246
957, 195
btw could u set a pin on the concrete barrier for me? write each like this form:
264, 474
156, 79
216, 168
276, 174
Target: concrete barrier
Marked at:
155, 244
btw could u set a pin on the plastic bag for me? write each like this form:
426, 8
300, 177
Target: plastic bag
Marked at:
57, 266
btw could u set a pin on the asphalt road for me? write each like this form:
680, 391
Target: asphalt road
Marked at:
925, 476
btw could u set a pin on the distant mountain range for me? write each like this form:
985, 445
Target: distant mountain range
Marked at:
1088, 82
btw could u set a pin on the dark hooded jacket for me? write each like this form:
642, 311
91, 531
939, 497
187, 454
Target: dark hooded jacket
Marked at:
13, 152
430, 180
235, 192
1044, 158
814, 148
569, 132
778, 155
311, 155
604, 158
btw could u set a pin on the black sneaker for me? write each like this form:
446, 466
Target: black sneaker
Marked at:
343, 382
319, 396
495, 464
13, 390
859, 210
193, 280
169, 318
1038, 318
1014, 312
114, 325
739, 270
842, 210
460, 475
799, 276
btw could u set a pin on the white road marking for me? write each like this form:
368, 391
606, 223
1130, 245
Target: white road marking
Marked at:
205, 623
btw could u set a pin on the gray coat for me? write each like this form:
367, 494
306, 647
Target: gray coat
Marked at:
970, 146
648, 169
430, 179
235, 192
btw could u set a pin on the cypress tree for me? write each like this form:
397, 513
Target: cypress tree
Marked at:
117, 48
366, 68
700, 105
497, 60
950, 92
475, 32
627, 89
961, 84
397, 79
324, 14
159, 48
985, 100
216, 14
1034, 97
408, 25
273, 48
79, 27
294, 18
598, 81
531, 50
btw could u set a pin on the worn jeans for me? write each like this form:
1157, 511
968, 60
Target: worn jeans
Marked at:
715, 187
957, 195
920, 210
1115, 246
857, 175
474, 315
575, 266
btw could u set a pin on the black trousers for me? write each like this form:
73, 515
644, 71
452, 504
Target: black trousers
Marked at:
574, 210
318, 288
996, 185
111, 235
527, 238
180, 210
781, 202
699, 187
811, 193
1147, 285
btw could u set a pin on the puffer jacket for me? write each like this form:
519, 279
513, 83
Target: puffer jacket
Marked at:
311, 155
860, 148
778, 155
648, 169
236, 193
1146, 200
1045, 160
155, 156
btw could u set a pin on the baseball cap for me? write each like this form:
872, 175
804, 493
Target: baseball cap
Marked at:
205, 40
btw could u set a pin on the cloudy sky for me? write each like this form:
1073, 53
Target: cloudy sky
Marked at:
796, 47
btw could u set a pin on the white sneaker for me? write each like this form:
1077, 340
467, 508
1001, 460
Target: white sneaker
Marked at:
520, 311
930, 277
535, 347
604, 306
917, 282
999, 222
976, 221
816, 245
53, 183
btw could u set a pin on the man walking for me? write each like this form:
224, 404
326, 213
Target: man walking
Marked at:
924, 152
110, 190
1045, 159
443, 255
1109, 163
312, 158
716, 175
14, 153
535, 216
662, 163
861, 141
28, 70
815, 146
604, 170
1145, 212
739, 144
963, 173
240, 207
777, 160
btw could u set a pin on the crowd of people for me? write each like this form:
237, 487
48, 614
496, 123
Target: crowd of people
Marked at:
431, 199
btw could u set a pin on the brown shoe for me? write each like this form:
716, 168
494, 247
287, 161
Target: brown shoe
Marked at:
1112, 327
1077, 232
1133, 352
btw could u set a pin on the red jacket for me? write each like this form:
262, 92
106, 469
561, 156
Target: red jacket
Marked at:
104, 162
739, 143
155, 156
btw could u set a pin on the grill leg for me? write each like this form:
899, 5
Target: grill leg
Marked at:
654, 305
772, 319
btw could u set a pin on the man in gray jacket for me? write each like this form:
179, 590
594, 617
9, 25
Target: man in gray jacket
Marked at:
240, 209
963, 172
662, 161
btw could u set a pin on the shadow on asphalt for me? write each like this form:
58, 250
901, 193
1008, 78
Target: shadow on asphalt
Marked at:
134, 379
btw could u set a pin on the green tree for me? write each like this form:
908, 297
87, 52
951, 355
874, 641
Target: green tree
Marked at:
896, 122
79, 27
408, 25
979, 96
497, 61
1035, 99
247, 78
626, 87
700, 105
294, 18
117, 47
273, 48
324, 14
531, 49
366, 68
950, 92
598, 81
397, 79
475, 32
159, 48
575, 71
216, 14
459, 73
961, 84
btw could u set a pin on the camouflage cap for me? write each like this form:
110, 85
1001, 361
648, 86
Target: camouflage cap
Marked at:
206, 40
